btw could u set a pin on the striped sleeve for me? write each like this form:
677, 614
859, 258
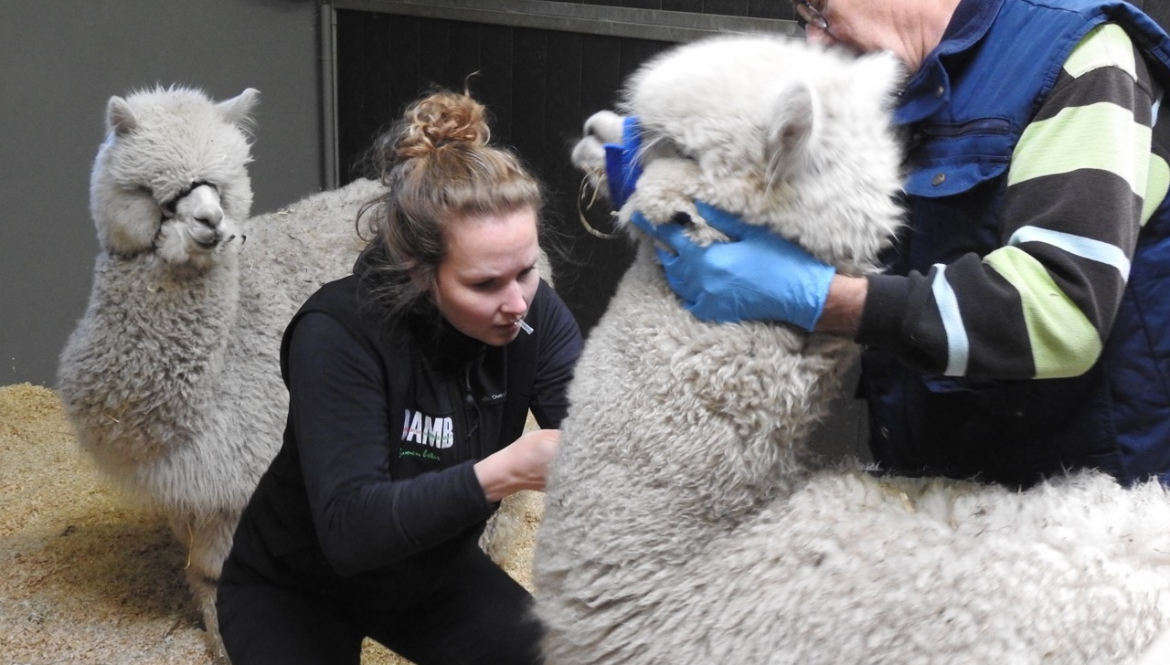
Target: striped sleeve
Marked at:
1084, 177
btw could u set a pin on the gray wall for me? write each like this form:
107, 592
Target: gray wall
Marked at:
60, 61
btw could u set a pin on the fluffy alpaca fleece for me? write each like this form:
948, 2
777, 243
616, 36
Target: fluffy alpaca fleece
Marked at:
171, 378
686, 521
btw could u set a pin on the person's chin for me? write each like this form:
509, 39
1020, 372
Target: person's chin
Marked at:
501, 335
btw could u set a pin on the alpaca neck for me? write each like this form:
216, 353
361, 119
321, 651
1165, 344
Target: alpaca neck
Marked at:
159, 324
719, 418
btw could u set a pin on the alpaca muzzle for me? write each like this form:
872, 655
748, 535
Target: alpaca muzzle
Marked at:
199, 208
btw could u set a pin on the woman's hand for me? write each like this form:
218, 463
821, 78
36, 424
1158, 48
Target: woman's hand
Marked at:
520, 466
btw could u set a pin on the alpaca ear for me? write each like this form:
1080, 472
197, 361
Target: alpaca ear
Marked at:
791, 130
119, 118
238, 110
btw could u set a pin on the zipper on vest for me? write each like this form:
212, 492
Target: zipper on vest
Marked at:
992, 126
472, 408
925, 133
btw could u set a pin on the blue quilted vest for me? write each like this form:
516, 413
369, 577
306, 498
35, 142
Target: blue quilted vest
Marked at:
964, 111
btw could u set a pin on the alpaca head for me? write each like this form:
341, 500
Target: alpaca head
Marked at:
779, 132
171, 177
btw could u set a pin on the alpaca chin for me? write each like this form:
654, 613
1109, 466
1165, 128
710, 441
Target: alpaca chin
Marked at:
177, 244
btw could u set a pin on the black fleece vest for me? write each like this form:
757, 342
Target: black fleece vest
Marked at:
453, 398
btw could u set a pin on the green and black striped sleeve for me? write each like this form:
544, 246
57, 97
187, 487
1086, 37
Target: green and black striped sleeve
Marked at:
1087, 173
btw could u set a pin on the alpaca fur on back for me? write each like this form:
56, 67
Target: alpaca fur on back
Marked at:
686, 520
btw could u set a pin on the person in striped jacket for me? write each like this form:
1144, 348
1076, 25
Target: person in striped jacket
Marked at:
1022, 329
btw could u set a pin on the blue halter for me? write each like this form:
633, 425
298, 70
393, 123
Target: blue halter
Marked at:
622, 167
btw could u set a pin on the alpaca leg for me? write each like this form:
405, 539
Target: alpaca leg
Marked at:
209, 541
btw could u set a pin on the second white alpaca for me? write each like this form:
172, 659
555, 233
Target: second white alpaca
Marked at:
686, 521
171, 378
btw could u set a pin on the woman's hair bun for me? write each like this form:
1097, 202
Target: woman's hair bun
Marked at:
441, 119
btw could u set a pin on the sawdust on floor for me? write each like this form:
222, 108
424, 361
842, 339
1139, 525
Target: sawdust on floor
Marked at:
91, 578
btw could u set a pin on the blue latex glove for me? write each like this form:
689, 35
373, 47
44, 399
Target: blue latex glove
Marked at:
622, 167
756, 276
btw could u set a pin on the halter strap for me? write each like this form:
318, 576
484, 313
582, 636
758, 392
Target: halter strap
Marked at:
172, 203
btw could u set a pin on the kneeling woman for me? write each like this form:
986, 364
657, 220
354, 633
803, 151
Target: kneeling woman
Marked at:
409, 383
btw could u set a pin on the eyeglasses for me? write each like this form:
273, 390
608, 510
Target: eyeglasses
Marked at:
806, 15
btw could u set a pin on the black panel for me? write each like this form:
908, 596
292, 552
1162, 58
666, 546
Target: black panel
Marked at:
780, 9
770, 9
693, 6
529, 97
728, 7
404, 46
364, 83
493, 86
464, 44
434, 57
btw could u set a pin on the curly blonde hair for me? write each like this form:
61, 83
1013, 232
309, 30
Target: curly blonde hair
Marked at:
439, 170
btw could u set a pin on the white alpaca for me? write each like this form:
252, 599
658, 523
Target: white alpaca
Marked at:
686, 521
171, 378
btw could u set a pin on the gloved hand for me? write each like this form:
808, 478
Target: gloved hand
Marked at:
622, 165
756, 276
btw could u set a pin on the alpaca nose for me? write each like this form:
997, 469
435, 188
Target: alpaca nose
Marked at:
210, 217
205, 206
202, 214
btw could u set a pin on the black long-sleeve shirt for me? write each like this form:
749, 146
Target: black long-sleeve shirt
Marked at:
385, 424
